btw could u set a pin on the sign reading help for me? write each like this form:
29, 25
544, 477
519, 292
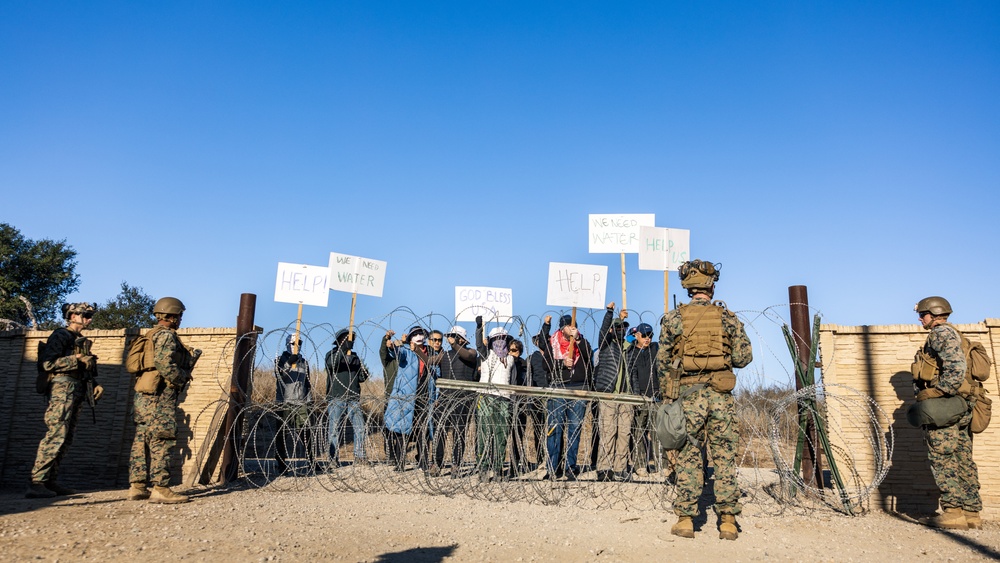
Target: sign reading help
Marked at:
494, 304
663, 249
617, 233
354, 274
300, 283
577, 285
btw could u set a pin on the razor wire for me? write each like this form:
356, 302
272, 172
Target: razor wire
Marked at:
448, 452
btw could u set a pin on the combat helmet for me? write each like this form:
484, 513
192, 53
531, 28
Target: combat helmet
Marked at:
82, 308
934, 305
699, 274
168, 306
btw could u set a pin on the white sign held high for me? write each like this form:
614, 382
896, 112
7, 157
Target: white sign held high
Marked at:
663, 249
617, 233
353, 274
300, 283
494, 304
577, 285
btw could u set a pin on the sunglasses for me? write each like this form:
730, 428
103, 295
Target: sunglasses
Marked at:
436, 339
87, 315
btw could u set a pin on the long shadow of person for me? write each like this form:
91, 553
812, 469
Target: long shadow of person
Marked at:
908, 488
418, 555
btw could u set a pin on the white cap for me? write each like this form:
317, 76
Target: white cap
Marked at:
458, 331
498, 332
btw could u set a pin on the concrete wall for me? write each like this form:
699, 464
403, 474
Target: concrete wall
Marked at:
875, 360
98, 457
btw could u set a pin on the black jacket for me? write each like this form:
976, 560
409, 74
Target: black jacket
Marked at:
641, 366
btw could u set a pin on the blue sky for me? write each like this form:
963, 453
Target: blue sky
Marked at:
188, 147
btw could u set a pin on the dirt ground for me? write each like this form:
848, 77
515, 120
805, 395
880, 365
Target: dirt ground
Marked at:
247, 524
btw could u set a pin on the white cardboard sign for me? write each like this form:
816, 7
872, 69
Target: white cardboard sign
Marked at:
301, 283
577, 285
494, 304
353, 274
617, 233
663, 249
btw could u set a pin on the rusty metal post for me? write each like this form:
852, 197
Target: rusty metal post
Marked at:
798, 299
240, 382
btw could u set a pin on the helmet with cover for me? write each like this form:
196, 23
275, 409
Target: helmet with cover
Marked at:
699, 274
81, 308
934, 305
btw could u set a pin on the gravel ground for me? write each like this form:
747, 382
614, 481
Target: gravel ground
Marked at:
262, 525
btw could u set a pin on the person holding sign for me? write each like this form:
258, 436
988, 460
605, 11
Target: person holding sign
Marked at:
572, 369
700, 344
614, 419
493, 408
344, 375
293, 394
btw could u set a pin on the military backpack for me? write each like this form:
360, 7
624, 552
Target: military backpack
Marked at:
140, 353
926, 369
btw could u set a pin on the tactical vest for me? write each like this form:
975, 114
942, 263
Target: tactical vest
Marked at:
706, 346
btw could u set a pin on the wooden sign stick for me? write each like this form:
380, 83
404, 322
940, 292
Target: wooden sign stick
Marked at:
295, 338
624, 304
350, 327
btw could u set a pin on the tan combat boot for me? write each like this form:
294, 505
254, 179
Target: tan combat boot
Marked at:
727, 528
951, 519
683, 528
164, 495
39, 490
973, 520
138, 491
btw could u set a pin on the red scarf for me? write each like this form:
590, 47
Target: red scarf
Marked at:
560, 347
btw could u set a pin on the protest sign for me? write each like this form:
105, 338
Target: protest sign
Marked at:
354, 274
577, 285
492, 303
663, 249
617, 233
303, 284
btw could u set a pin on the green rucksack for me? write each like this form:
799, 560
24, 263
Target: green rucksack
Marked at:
670, 423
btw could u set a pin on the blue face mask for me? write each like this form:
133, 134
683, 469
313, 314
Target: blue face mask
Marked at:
630, 339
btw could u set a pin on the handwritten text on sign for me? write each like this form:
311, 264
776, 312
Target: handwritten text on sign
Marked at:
491, 303
577, 285
354, 274
617, 233
299, 283
663, 249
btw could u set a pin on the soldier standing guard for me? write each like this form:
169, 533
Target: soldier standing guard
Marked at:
155, 412
949, 448
70, 366
700, 344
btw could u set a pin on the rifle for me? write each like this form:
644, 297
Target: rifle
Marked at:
83, 347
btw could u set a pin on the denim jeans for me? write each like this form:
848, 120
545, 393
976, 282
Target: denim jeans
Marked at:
336, 412
563, 414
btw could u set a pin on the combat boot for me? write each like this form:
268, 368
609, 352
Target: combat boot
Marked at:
138, 491
951, 519
684, 527
727, 528
38, 490
973, 520
59, 489
164, 495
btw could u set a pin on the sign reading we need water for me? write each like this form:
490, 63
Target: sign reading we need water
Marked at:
663, 249
617, 233
353, 274
494, 304
577, 285
301, 283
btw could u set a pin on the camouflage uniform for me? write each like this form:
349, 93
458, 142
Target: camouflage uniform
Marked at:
711, 419
155, 414
949, 449
66, 394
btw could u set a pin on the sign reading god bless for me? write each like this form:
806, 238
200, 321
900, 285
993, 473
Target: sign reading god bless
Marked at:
663, 249
353, 274
493, 304
577, 285
300, 283
617, 233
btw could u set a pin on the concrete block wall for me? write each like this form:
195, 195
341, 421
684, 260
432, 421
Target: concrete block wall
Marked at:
98, 457
875, 360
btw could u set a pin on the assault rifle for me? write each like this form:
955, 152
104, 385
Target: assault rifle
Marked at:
83, 347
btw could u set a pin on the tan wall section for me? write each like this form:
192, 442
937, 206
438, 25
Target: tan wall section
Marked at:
875, 360
98, 457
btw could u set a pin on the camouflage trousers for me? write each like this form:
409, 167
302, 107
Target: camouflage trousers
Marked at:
65, 400
950, 453
711, 419
155, 434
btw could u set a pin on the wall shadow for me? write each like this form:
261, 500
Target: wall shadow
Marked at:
909, 486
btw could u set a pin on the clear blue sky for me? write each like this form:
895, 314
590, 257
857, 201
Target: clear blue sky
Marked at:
187, 147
